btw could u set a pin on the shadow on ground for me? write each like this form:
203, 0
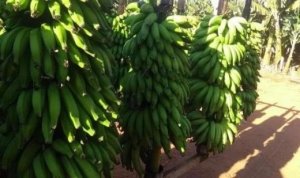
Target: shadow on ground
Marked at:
264, 146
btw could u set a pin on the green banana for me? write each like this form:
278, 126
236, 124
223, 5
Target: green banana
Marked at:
23, 108
54, 107
27, 130
60, 35
19, 44
39, 167
86, 167
76, 13
49, 66
37, 8
55, 9
35, 41
38, 99
70, 167
71, 106
67, 127
7, 41
62, 62
11, 152
48, 37
52, 163
61, 146
47, 131
90, 17
27, 157
87, 124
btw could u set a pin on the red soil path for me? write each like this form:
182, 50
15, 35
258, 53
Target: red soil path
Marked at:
267, 146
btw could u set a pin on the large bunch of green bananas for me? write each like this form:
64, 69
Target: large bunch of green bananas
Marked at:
217, 56
121, 32
155, 88
56, 98
254, 36
250, 67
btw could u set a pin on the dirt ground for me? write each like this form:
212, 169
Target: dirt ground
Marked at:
268, 144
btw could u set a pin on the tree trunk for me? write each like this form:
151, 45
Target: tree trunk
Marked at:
290, 58
278, 45
121, 7
181, 6
247, 9
166, 2
164, 9
267, 56
215, 4
222, 7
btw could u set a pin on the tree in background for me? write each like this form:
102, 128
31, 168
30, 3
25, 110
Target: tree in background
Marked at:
291, 31
247, 9
199, 8
222, 6
121, 6
273, 12
181, 6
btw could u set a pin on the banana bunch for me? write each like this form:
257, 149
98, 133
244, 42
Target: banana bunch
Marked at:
249, 101
121, 29
188, 24
216, 132
217, 55
120, 35
57, 103
255, 30
250, 68
155, 88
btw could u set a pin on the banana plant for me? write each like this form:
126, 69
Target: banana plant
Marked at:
291, 29
273, 12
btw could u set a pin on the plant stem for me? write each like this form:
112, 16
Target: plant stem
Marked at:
155, 160
153, 163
